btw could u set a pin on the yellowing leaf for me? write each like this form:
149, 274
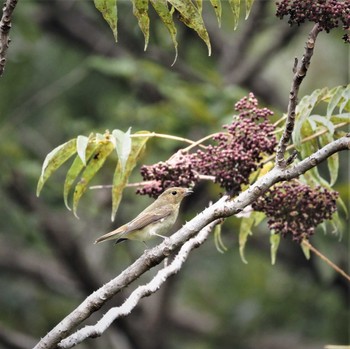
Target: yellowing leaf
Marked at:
245, 229
108, 9
306, 250
220, 246
98, 159
274, 243
120, 178
54, 160
140, 10
248, 7
75, 169
218, 10
166, 16
235, 7
199, 4
190, 15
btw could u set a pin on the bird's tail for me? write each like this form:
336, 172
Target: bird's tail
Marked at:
115, 234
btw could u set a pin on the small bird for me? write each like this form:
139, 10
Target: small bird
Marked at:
155, 220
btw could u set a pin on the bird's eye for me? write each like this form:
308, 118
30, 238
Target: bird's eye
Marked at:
174, 192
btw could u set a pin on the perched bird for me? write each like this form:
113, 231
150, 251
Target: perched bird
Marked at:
155, 220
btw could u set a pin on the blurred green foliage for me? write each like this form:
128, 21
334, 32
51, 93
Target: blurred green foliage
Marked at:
58, 85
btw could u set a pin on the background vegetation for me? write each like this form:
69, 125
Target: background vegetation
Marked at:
66, 76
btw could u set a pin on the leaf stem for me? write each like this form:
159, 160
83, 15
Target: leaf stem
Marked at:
197, 143
325, 259
161, 135
306, 139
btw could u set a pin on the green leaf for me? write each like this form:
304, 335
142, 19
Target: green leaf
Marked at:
235, 7
220, 246
218, 10
305, 250
345, 105
140, 10
122, 146
245, 229
82, 143
323, 121
332, 161
166, 16
336, 96
120, 178
54, 160
248, 7
303, 111
323, 226
345, 117
199, 4
190, 16
308, 148
75, 170
337, 222
274, 243
96, 162
108, 9
343, 206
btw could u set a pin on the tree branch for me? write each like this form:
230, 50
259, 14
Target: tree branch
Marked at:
299, 75
223, 208
5, 26
141, 292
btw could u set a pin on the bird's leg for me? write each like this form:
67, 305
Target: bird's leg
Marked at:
161, 236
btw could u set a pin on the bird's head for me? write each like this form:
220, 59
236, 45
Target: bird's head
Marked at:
174, 195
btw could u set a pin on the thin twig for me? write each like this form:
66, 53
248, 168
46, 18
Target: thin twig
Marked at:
284, 117
299, 75
143, 183
161, 135
325, 259
5, 26
197, 143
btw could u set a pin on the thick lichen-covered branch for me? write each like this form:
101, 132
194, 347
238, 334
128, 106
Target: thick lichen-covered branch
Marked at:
140, 292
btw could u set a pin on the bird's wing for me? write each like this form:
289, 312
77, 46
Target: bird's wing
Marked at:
149, 216
146, 218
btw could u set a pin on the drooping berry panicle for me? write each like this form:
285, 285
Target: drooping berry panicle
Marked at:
230, 160
328, 14
294, 209
237, 152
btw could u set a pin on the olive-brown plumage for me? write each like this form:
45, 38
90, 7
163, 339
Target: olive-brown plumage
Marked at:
155, 220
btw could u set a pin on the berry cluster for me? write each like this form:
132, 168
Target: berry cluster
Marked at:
176, 172
328, 14
296, 209
230, 160
239, 151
